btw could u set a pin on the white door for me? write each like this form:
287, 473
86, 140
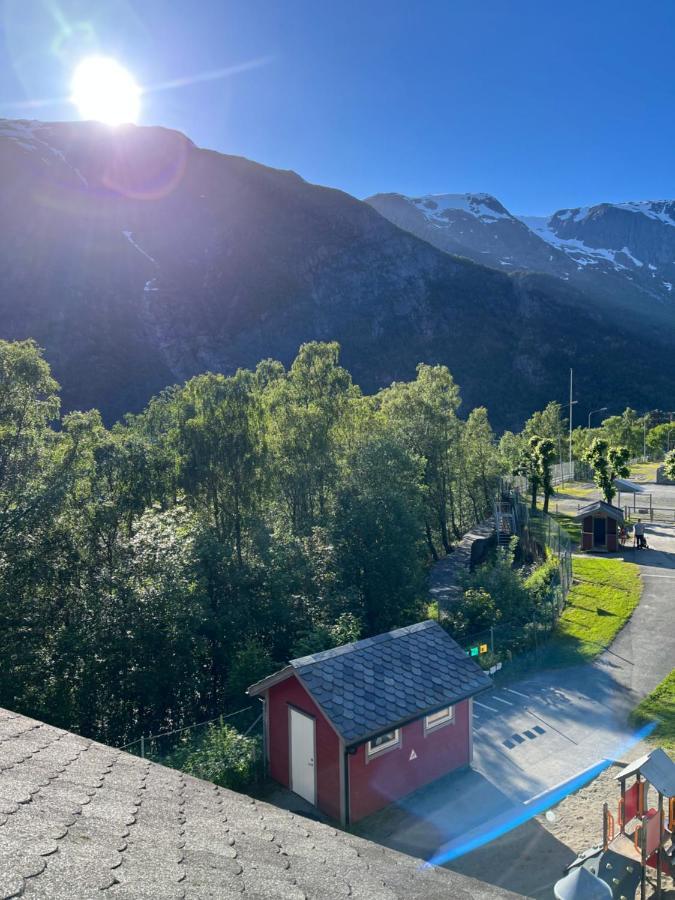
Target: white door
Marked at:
302, 756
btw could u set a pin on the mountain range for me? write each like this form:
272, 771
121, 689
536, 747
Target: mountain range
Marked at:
624, 249
137, 260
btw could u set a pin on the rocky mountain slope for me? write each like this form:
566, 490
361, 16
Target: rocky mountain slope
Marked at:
621, 250
137, 260
473, 225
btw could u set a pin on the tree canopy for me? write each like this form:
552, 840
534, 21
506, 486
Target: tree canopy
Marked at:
152, 570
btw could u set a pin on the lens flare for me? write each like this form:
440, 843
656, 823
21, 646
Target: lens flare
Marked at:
519, 813
104, 90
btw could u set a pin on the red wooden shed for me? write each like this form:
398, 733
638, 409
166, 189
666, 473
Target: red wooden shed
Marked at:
600, 524
358, 727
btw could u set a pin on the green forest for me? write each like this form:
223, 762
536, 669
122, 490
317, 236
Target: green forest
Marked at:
149, 572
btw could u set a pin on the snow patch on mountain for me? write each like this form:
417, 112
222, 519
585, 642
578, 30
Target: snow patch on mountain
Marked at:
654, 209
23, 133
579, 252
129, 235
484, 207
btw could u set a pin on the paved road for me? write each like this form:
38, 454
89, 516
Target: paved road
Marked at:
545, 730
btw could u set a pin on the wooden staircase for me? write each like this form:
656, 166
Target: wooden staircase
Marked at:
504, 522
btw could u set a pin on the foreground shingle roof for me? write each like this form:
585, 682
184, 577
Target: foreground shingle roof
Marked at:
79, 820
369, 686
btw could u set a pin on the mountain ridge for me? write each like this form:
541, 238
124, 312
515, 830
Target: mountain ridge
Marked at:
138, 259
591, 246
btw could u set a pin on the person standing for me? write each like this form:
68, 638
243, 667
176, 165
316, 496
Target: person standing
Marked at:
640, 535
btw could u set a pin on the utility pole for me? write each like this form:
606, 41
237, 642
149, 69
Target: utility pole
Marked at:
571, 388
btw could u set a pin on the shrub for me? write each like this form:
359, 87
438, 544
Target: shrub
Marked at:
251, 663
346, 629
540, 582
225, 757
475, 612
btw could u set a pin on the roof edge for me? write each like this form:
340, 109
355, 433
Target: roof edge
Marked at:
418, 715
301, 661
599, 504
265, 683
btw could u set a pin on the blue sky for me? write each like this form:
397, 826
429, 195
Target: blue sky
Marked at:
543, 104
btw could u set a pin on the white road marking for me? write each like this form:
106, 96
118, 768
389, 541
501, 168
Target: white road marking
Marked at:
483, 706
560, 784
511, 691
499, 700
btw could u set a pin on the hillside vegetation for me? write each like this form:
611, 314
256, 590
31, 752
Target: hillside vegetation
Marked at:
184, 260
150, 572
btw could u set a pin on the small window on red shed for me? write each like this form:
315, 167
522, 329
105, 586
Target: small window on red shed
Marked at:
440, 718
385, 741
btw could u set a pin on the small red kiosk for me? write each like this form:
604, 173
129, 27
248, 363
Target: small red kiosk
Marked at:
355, 728
600, 524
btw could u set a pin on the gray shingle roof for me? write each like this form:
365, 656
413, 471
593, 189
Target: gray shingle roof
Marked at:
79, 820
600, 506
375, 684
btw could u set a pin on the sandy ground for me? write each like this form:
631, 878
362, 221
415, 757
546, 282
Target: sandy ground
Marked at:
531, 858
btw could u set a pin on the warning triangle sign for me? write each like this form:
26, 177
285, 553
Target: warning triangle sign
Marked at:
413, 755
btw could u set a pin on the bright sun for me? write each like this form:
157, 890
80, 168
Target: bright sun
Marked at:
104, 90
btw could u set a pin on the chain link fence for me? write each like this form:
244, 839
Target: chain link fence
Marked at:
540, 536
171, 748
510, 649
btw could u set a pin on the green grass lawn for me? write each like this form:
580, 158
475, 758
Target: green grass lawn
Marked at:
568, 525
565, 520
644, 471
602, 599
659, 706
575, 490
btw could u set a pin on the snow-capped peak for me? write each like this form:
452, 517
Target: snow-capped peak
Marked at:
661, 210
439, 208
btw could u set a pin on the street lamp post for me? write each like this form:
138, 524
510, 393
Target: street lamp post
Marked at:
593, 411
572, 403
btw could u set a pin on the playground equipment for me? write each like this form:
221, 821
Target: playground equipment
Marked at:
639, 838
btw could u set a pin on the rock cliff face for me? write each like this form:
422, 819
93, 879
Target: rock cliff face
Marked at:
620, 250
473, 225
137, 260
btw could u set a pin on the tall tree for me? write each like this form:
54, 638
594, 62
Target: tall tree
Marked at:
548, 423
608, 463
424, 412
377, 533
29, 478
535, 464
481, 462
221, 443
303, 409
669, 465
626, 430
